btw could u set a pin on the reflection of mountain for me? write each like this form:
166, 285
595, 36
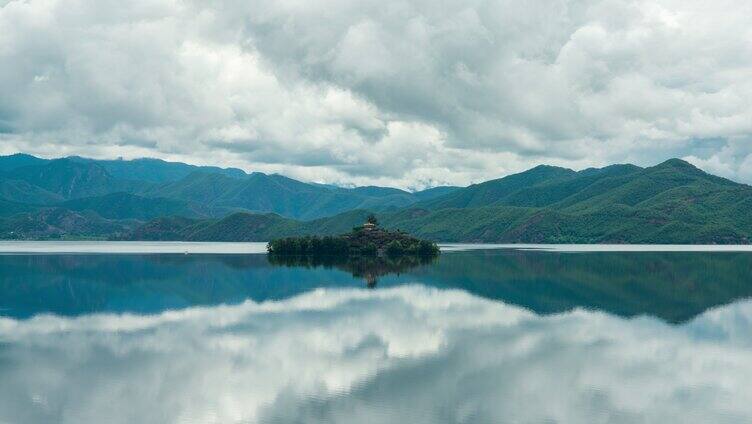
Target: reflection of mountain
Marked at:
82, 284
369, 268
672, 286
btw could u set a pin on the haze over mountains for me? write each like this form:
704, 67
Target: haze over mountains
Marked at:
149, 199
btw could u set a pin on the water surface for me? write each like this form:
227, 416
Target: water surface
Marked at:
478, 336
129, 247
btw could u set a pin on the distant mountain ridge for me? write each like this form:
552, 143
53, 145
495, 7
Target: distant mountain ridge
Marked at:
673, 202
274, 193
144, 169
143, 189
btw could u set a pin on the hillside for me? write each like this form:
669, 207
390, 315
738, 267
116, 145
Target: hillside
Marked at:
537, 187
156, 170
70, 179
19, 160
8, 209
22, 192
131, 206
673, 202
157, 186
494, 191
239, 227
145, 169
281, 195
58, 223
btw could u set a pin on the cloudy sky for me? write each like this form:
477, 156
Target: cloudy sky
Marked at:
409, 93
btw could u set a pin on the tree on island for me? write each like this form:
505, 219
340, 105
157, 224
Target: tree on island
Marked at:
367, 240
372, 220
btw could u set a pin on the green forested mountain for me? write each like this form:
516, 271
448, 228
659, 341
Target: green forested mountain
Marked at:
9, 208
537, 187
69, 179
243, 227
59, 223
30, 180
495, 191
157, 170
672, 202
146, 169
143, 189
278, 194
22, 192
11, 162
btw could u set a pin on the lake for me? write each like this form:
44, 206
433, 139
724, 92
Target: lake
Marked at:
218, 333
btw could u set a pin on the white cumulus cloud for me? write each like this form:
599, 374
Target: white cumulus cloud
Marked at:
408, 92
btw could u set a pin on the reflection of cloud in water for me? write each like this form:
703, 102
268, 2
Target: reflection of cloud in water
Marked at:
408, 354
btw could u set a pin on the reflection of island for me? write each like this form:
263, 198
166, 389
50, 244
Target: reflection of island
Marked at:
369, 268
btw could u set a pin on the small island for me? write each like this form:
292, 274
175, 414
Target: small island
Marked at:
366, 240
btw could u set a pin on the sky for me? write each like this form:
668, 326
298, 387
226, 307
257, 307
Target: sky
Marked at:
405, 93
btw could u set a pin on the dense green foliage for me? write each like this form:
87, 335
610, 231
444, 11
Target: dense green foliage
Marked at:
309, 245
362, 241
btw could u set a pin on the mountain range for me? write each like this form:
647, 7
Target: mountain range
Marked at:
150, 199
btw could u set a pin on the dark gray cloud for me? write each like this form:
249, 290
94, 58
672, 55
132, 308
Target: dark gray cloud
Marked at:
408, 93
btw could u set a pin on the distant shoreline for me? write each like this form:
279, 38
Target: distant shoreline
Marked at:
240, 248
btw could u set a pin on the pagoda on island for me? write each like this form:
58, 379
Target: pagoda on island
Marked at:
371, 223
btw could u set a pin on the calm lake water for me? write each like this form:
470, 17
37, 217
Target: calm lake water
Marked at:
533, 335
